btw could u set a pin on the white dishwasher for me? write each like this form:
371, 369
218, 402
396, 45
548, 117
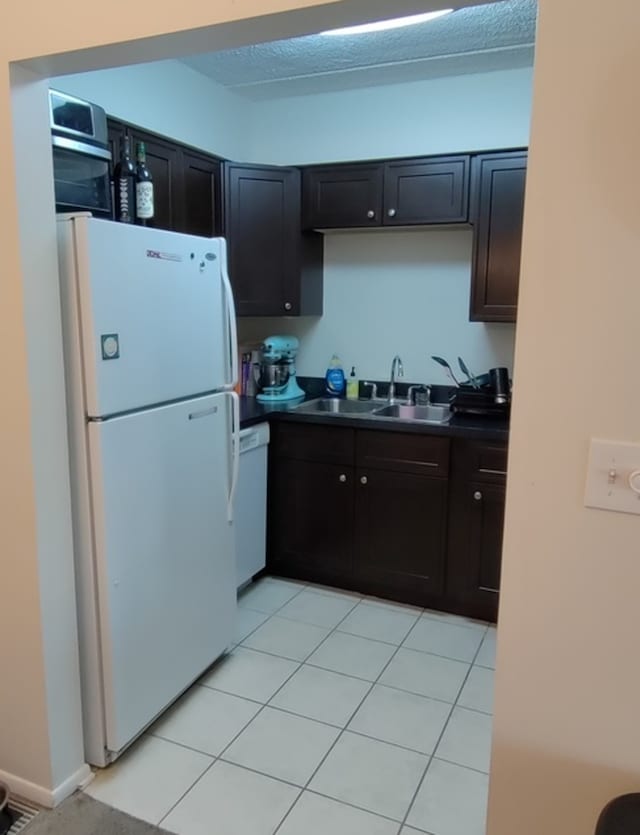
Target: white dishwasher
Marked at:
251, 503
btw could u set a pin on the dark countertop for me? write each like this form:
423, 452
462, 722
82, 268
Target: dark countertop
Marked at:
253, 411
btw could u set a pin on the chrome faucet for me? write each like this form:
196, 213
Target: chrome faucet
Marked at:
396, 368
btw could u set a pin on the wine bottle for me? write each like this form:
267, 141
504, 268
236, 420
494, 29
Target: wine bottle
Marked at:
124, 185
144, 187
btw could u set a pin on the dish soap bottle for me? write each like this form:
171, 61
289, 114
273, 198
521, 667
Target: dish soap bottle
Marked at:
334, 378
353, 387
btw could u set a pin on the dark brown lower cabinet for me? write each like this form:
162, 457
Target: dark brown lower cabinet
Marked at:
476, 521
311, 521
400, 535
416, 518
311, 502
363, 510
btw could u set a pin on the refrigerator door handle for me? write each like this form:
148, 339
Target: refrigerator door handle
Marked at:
235, 446
231, 314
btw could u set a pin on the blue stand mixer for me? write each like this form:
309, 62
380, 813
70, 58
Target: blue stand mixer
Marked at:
277, 371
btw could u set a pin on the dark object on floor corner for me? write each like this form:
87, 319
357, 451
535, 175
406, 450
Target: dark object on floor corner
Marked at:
621, 816
7, 819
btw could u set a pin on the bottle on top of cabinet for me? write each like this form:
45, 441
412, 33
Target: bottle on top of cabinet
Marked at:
124, 185
144, 187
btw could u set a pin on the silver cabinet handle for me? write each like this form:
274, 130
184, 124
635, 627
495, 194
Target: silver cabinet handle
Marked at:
391, 212
287, 305
343, 477
477, 496
371, 214
363, 479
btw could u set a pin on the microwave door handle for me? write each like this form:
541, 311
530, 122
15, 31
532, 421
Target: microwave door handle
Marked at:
81, 148
231, 316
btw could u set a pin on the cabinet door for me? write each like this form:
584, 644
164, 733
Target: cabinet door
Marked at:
311, 521
342, 196
498, 183
164, 164
262, 226
115, 133
431, 190
201, 194
400, 535
475, 547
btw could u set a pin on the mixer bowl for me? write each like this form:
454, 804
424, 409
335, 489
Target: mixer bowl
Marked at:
273, 375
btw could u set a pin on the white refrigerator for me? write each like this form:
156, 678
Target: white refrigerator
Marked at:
151, 363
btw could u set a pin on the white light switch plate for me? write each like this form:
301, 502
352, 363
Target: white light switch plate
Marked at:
611, 463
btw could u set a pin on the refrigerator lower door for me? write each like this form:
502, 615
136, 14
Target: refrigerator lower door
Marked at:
164, 554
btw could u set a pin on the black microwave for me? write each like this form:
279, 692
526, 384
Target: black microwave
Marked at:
81, 155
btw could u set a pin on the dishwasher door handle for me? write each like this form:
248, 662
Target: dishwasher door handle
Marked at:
235, 451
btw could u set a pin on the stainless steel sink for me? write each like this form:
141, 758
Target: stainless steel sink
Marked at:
375, 409
426, 414
332, 405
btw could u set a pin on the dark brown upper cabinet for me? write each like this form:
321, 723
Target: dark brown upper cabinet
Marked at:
497, 194
425, 191
274, 268
408, 192
202, 191
186, 182
342, 196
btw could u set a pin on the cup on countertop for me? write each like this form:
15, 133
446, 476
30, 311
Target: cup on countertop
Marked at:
499, 378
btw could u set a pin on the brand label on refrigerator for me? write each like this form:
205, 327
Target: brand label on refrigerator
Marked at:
164, 256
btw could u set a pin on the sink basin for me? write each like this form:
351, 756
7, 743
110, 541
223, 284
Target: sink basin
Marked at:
428, 414
332, 405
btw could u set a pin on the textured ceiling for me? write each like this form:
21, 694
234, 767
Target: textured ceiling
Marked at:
475, 39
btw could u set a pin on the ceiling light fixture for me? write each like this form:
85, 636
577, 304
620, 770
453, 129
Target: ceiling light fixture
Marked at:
381, 25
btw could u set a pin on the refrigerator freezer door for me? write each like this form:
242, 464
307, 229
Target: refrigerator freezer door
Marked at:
154, 322
164, 554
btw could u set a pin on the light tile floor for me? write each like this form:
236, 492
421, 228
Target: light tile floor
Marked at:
332, 713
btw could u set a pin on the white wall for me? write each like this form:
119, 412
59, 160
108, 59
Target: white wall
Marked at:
39, 715
394, 292
169, 98
567, 736
460, 113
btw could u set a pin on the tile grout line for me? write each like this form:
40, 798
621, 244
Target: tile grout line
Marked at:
219, 757
318, 722
352, 675
244, 727
351, 635
346, 615
366, 695
444, 728
344, 729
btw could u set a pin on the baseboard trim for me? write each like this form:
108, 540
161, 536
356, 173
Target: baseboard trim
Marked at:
81, 777
41, 796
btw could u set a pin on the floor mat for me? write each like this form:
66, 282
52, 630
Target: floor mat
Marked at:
82, 815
